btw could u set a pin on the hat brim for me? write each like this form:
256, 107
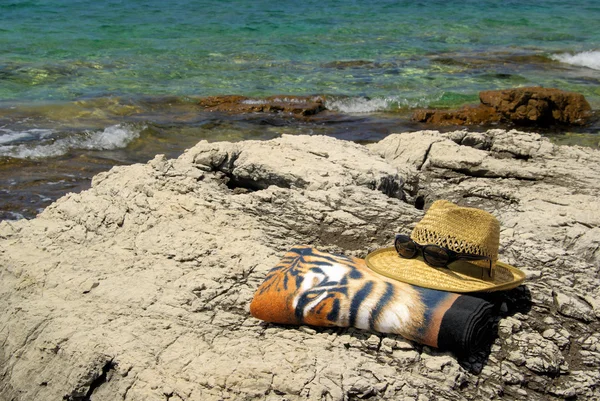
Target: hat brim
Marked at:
386, 262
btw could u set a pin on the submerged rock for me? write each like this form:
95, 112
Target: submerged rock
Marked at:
520, 106
138, 288
467, 115
294, 105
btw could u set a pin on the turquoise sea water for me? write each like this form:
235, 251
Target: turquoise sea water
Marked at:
414, 52
85, 85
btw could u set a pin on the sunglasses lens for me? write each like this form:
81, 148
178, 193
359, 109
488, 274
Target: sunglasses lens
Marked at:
405, 246
435, 256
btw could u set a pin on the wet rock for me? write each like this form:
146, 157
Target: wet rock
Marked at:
293, 105
520, 106
540, 106
468, 115
346, 64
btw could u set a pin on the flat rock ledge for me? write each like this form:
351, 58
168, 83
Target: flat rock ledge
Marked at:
299, 106
138, 288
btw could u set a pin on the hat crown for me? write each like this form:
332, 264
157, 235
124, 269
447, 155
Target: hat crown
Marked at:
461, 229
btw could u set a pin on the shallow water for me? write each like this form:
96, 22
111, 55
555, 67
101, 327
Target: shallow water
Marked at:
85, 85
401, 52
42, 164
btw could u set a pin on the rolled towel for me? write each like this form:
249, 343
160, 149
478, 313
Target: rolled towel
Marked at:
322, 289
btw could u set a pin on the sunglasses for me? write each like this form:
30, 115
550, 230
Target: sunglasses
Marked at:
438, 256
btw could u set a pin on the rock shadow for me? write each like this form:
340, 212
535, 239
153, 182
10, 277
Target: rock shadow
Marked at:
505, 303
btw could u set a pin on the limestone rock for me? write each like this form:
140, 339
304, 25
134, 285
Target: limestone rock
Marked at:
547, 230
578, 386
537, 354
138, 288
573, 307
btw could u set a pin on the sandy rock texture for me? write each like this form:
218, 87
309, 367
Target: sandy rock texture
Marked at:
138, 289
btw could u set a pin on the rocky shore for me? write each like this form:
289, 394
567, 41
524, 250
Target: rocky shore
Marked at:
533, 106
528, 106
138, 288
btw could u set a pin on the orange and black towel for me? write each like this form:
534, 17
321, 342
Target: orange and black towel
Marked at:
323, 289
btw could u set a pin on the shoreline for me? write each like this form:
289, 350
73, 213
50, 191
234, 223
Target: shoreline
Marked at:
86, 138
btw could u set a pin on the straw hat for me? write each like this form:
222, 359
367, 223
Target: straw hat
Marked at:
460, 229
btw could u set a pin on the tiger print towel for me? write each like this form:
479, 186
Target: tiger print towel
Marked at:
322, 289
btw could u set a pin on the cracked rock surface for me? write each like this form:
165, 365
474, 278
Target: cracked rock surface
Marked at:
138, 288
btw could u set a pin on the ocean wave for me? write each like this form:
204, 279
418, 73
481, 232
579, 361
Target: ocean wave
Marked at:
13, 216
373, 105
254, 101
113, 137
590, 59
8, 136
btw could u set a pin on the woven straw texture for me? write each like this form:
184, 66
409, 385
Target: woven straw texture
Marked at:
415, 271
461, 229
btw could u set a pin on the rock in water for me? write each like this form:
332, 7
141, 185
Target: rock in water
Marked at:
468, 115
538, 106
291, 105
520, 106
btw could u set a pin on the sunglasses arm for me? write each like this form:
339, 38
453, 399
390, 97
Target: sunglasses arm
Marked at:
467, 256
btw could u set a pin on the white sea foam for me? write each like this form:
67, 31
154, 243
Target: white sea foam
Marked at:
366, 105
113, 137
253, 101
590, 59
14, 216
8, 136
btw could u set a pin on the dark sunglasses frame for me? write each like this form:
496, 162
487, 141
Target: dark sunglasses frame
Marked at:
452, 256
